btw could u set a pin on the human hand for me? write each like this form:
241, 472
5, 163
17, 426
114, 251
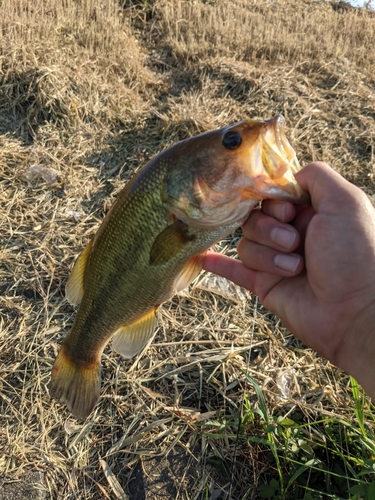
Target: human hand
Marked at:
315, 268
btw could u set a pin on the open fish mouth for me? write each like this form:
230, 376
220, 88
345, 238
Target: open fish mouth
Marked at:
283, 144
260, 165
279, 162
278, 156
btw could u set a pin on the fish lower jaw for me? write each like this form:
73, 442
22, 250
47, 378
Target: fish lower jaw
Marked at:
233, 213
285, 188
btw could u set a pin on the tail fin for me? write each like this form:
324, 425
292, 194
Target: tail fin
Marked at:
77, 386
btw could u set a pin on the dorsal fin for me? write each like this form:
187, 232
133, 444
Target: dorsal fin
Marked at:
131, 339
74, 289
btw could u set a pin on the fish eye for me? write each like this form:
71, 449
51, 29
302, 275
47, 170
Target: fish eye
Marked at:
232, 139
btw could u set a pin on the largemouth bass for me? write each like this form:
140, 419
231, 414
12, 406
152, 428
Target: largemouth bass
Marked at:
152, 242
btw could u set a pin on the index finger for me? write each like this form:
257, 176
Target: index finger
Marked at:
230, 268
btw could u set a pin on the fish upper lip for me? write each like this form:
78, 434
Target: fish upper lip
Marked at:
284, 145
282, 142
279, 132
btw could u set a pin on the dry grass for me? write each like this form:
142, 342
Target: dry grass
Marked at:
92, 91
268, 32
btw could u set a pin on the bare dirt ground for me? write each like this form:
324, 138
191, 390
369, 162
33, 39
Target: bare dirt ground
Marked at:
89, 92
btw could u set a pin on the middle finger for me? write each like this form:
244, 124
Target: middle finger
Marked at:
267, 231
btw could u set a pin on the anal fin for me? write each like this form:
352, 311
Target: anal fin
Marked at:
74, 289
131, 339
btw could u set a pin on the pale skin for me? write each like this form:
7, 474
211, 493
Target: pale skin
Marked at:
315, 268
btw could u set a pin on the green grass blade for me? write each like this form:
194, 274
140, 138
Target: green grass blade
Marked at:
359, 404
307, 465
259, 393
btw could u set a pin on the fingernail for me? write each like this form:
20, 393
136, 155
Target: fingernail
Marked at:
287, 262
283, 237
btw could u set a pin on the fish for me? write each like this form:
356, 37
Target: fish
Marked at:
152, 242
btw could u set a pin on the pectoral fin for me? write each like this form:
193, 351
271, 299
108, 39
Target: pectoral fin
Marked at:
131, 339
170, 242
74, 289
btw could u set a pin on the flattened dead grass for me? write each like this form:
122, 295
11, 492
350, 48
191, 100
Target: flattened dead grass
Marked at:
92, 91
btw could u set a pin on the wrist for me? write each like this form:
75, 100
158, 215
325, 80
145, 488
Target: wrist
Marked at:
357, 357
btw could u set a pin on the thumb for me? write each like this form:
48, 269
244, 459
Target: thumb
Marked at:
330, 192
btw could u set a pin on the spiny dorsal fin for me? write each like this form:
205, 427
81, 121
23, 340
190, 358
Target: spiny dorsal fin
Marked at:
131, 339
170, 242
189, 272
74, 289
